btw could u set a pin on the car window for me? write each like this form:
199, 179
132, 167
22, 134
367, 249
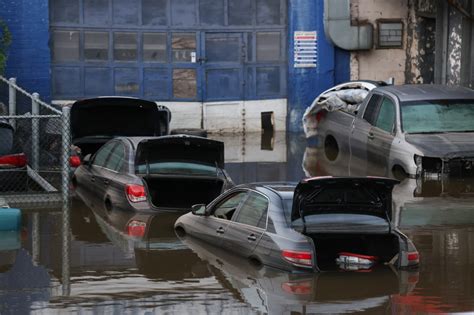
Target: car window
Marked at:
101, 155
116, 158
372, 108
386, 115
226, 209
253, 211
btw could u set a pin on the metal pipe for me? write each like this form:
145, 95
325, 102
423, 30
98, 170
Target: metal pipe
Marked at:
12, 100
65, 169
35, 136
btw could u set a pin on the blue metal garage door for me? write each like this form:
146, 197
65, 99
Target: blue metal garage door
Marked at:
177, 50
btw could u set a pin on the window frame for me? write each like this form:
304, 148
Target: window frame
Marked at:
394, 121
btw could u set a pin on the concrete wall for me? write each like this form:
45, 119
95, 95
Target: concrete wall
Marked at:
29, 55
379, 64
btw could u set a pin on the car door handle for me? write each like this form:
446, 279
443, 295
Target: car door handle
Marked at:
220, 230
93, 178
371, 136
252, 237
106, 182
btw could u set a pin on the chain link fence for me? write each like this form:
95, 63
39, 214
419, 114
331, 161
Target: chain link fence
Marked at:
34, 149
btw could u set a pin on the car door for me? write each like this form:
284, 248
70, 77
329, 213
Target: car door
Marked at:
96, 174
380, 138
111, 178
248, 225
361, 128
213, 227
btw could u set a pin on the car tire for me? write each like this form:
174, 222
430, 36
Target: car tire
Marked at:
190, 132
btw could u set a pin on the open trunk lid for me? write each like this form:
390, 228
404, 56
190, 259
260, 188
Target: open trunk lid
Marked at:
343, 204
180, 148
115, 116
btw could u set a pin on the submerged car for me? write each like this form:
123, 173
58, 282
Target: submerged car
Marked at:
97, 120
310, 226
153, 173
13, 164
416, 130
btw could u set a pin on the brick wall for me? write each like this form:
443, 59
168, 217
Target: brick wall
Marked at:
29, 55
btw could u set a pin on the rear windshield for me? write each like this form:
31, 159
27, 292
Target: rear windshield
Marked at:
177, 168
438, 116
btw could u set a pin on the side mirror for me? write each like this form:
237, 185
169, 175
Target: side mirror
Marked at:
199, 209
86, 160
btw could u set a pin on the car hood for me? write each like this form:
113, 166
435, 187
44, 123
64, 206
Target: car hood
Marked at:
452, 144
181, 148
331, 195
114, 116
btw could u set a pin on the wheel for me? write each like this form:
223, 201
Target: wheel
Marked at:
190, 131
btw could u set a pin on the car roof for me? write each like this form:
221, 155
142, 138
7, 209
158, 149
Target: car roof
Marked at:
427, 92
284, 189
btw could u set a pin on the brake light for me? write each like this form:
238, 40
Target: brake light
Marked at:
303, 287
15, 160
298, 258
135, 193
136, 228
74, 161
413, 257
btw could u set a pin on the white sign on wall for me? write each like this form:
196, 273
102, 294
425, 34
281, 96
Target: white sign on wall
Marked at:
305, 49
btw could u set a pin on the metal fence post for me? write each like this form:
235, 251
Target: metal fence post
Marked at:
65, 169
35, 132
12, 100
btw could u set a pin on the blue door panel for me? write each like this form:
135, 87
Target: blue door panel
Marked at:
223, 84
268, 81
97, 81
126, 81
67, 81
156, 81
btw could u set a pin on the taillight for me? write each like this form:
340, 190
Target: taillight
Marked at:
303, 259
15, 160
135, 193
413, 257
136, 228
74, 161
301, 287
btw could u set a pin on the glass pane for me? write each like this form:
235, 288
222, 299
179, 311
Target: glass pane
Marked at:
268, 12
125, 46
103, 153
154, 12
183, 12
211, 12
184, 83
96, 12
154, 47
65, 11
226, 209
183, 45
386, 116
254, 211
116, 158
156, 82
224, 47
65, 45
126, 81
268, 46
96, 46
268, 81
371, 108
125, 12
97, 81
240, 12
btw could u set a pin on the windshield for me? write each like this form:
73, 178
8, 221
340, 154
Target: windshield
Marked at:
181, 168
438, 116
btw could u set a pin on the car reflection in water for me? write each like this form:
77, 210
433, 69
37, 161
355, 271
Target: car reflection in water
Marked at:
272, 291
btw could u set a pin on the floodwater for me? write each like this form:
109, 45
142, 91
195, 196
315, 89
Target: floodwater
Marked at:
109, 272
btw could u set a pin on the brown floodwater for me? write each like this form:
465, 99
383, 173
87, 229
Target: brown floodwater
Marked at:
102, 269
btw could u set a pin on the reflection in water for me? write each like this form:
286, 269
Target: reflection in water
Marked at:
115, 267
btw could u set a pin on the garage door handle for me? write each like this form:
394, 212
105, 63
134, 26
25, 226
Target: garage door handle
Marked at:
371, 136
252, 238
220, 230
